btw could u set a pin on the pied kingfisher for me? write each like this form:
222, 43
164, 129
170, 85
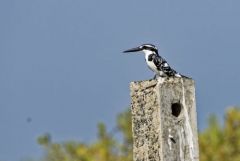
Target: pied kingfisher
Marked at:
155, 62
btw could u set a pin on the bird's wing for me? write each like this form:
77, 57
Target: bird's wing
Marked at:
163, 66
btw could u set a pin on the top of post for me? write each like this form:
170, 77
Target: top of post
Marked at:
145, 84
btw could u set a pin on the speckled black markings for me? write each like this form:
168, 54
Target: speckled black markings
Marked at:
162, 65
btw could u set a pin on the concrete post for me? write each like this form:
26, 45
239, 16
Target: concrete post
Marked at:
164, 120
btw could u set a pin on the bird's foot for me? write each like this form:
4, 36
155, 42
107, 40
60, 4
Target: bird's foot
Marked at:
161, 79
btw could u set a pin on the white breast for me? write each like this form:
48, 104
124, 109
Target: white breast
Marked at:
150, 64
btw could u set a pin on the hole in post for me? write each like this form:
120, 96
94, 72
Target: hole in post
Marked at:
176, 109
173, 140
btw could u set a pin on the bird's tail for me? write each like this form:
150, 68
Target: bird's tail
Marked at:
183, 76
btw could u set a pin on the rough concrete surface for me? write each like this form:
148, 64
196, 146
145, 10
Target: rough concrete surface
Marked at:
164, 120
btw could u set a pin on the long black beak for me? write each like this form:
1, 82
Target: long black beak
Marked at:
133, 50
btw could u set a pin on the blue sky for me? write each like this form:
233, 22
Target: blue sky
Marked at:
61, 63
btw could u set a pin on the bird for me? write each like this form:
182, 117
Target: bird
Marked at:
155, 62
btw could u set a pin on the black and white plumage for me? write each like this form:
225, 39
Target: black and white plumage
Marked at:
155, 62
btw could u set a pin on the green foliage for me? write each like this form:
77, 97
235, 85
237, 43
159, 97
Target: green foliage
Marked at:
105, 148
44, 139
124, 124
216, 142
221, 143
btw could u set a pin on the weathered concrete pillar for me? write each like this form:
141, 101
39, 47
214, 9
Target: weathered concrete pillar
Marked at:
164, 120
